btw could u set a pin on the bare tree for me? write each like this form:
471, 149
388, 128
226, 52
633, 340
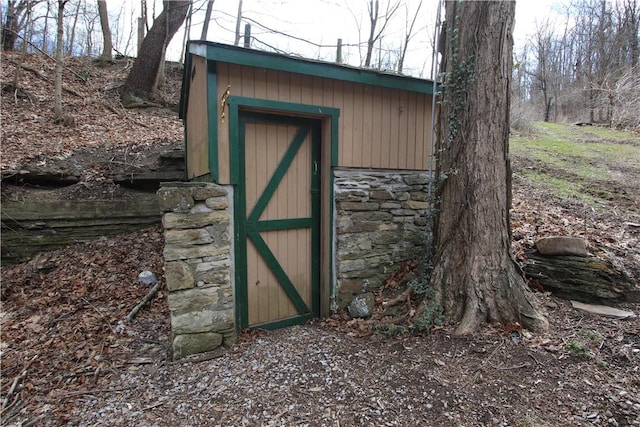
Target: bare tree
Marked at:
207, 18
574, 72
238, 21
543, 49
407, 36
72, 36
475, 278
9, 27
142, 80
374, 17
187, 36
107, 44
45, 32
89, 18
16, 76
15, 20
58, 115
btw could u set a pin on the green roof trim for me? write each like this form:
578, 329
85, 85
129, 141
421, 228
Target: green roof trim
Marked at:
256, 58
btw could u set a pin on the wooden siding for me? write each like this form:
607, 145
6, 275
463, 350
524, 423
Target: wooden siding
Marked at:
265, 146
197, 128
379, 127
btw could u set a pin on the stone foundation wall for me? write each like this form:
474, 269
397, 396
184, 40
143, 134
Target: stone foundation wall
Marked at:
380, 222
198, 265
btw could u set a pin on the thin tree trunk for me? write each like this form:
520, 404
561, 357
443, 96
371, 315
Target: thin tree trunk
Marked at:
238, 21
89, 27
373, 20
207, 18
187, 35
57, 93
16, 76
475, 277
45, 31
407, 37
107, 44
73, 31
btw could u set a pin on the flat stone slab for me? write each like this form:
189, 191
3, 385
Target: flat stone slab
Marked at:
562, 245
603, 310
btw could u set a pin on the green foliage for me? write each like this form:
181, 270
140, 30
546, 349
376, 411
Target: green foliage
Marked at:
590, 336
564, 187
577, 349
456, 85
572, 162
390, 329
84, 76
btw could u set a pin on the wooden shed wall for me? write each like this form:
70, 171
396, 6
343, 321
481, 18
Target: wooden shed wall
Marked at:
197, 120
379, 127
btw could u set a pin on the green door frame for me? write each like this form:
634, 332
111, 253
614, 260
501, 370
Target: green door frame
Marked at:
279, 112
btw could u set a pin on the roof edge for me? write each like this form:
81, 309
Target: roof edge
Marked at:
242, 56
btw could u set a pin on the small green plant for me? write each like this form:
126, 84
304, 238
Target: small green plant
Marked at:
590, 335
577, 349
389, 329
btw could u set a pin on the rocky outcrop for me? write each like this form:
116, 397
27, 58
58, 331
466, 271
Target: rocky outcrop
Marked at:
36, 225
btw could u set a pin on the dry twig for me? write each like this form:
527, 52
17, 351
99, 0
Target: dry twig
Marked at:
16, 381
134, 312
45, 78
400, 298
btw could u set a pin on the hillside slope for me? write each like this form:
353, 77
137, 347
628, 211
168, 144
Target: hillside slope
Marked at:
91, 97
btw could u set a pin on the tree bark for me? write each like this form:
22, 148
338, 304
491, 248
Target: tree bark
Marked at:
72, 38
57, 92
141, 82
407, 38
207, 18
107, 43
475, 277
238, 21
9, 27
373, 20
45, 31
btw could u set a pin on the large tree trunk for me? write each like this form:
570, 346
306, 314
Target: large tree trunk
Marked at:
475, 277
141, 81
107, 44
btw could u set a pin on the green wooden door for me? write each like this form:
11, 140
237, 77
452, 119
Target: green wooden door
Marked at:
277, 214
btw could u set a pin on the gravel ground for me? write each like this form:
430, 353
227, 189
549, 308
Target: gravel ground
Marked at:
320, 375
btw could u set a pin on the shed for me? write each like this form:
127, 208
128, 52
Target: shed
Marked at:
325, 168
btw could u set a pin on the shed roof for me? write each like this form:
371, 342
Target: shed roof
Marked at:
256, 58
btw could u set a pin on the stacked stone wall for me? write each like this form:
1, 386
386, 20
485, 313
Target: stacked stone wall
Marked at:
198, 266
380, 223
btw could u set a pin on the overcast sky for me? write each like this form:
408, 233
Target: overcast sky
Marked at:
311, 28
